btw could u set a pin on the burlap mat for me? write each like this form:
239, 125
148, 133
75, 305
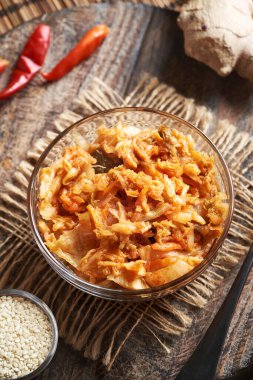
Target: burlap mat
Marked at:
15, 12
99, 328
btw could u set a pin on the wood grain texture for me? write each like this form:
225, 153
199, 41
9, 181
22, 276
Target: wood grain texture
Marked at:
142, 39
15, 12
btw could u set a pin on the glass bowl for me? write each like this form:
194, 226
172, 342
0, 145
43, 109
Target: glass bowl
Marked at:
142, 118
37, 301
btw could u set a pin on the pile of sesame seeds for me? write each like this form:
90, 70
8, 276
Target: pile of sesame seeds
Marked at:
25, 337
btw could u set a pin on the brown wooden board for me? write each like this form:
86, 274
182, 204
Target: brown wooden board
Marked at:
15, 12
142, 39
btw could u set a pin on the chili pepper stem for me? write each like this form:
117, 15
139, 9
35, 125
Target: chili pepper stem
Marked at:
3, 64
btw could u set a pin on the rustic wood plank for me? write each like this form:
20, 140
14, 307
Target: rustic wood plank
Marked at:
21, 11
143, 39
33, 110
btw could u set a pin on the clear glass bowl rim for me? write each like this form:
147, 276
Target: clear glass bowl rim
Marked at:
120, 294
43, 306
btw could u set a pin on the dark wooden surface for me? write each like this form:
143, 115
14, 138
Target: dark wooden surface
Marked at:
142, 39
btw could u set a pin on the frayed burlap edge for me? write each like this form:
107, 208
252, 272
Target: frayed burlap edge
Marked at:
87, 322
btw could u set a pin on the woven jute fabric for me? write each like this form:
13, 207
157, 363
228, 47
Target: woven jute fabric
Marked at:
15, 12
100, 328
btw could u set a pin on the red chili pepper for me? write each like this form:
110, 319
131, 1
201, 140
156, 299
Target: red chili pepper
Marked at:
3, 64
85, 47
30, 61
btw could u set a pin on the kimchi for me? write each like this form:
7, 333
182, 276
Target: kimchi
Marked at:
134, 209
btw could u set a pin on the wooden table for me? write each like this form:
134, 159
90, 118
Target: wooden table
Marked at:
143, 39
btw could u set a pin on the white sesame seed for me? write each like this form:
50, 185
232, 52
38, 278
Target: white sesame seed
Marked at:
25, 337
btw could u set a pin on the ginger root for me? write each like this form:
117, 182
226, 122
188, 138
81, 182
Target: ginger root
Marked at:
219, 33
